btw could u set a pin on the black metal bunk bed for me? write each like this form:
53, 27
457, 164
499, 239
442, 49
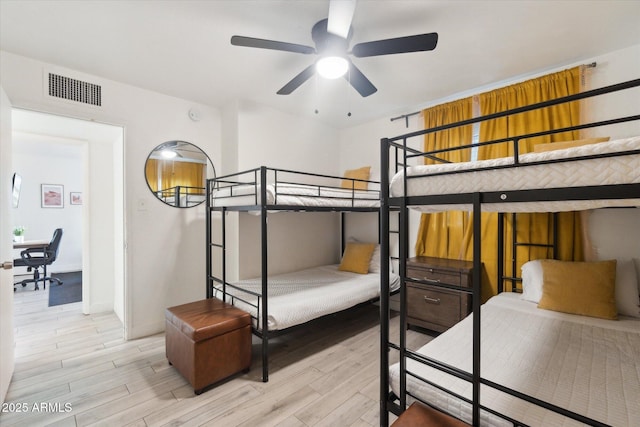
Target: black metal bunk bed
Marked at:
182, 196
263, 190
474, 201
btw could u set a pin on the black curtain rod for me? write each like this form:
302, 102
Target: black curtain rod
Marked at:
406, 116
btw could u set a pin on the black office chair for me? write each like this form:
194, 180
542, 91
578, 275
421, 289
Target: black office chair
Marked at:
36, 258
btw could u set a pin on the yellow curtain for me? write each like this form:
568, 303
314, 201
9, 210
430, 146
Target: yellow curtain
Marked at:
441, 234
172, 173
151, 172
536, 227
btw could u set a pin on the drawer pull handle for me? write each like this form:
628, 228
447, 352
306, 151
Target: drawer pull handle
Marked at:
432, 300
426, 279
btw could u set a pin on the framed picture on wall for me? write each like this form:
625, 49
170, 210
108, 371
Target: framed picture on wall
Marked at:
52, 195
75, 198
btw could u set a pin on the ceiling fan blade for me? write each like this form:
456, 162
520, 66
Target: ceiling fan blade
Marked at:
271, 44
340, 17
359, 81
297, 80
406, 44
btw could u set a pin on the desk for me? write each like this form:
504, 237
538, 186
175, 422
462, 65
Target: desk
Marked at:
30, 244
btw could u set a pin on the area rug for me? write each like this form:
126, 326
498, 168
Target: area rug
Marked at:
70, 291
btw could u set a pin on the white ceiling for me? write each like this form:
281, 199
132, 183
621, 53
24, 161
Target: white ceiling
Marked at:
182, 48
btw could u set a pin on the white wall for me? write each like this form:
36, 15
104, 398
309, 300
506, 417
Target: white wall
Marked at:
614, 67
41, 159
267, 137
360, 145
606, 226
165, 261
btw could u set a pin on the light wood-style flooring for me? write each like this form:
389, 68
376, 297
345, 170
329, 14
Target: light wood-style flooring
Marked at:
77, 370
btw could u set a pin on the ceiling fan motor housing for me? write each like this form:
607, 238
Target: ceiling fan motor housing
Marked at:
328, 44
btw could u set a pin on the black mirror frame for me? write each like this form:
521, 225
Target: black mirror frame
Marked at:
210, 164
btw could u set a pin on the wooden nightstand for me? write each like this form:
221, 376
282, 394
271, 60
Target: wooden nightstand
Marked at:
433, 307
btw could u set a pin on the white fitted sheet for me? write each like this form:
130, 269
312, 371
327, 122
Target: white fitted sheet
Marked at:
587, 365
296, 195
602, 171
298, 297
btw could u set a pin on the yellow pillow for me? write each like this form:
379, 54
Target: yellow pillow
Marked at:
356, 257
361, 173
586, 288
539, 148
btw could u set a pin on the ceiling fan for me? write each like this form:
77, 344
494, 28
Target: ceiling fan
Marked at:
331, 37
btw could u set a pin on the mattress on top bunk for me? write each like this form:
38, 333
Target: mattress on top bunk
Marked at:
587, 365
295, 195
623, 169
298, 297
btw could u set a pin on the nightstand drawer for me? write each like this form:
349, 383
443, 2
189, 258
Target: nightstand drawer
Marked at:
434, 275
433, 308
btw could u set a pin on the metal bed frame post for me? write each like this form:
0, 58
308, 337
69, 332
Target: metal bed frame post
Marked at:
403, 250
501, 272
477, 265
265, 272
209, 289
514, 249
342, 232
384, 282
555, 235
223, 221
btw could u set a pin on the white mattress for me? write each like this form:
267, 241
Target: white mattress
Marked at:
603, 171
296, 195
298, 297
587, 365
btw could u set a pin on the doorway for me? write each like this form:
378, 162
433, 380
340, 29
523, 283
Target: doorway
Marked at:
84, 161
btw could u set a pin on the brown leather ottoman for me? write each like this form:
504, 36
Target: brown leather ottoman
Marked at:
207, 341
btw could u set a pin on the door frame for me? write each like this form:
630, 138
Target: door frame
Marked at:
7, 336
104, 173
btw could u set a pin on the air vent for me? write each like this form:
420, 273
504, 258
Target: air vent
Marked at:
74, 90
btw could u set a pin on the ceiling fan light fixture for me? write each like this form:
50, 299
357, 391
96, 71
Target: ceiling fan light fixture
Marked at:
332, 67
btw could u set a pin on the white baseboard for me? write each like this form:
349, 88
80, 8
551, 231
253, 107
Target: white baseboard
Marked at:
99, 308
141, 331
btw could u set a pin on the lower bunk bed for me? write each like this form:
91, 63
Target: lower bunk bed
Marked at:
574, 362
298, 297
279, 303
519, 360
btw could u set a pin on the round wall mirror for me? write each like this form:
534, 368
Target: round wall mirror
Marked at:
177, 173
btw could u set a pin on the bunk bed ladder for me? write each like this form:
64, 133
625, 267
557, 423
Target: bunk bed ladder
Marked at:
513, 278
211, 245
220, 246
401, 231
384, 283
